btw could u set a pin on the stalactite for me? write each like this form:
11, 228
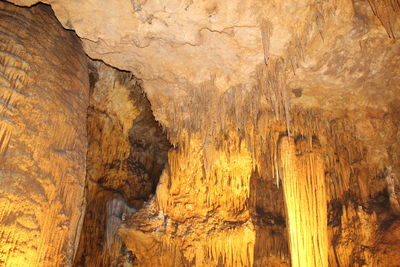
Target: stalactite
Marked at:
387, 11
266, 32
232, 248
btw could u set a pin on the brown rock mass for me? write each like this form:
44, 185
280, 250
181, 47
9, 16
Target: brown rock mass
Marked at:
127, 152
43, 99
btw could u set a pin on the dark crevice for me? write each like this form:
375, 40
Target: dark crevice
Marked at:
123, 166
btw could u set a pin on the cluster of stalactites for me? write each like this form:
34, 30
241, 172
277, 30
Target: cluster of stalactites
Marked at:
225, 160
388, 12
254, 117
232, 248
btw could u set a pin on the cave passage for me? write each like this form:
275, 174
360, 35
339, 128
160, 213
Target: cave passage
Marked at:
127, 152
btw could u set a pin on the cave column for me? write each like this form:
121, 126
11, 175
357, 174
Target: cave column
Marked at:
305, 199
43, 101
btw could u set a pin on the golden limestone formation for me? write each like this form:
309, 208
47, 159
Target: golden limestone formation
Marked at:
387, 11
43, 99
305, 198
126, 153
199, 216
206, 196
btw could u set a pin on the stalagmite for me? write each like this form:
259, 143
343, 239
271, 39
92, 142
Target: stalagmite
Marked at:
266, 32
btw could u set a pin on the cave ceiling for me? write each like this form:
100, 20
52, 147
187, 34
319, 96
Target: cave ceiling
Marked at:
338, 55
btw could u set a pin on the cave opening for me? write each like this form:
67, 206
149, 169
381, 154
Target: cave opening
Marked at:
127, 152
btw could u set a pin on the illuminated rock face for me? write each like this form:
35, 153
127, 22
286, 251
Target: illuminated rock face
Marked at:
126, 153
331, 214
283, 119
304, 187
331, 49
43, 99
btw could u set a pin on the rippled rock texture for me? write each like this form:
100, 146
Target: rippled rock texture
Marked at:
44, 89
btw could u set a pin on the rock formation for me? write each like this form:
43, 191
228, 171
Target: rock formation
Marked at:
239, 133
44, 90
127, 152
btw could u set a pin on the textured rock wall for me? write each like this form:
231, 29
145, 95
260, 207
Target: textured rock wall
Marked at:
44, 91
336, 51
126, 155
333, 161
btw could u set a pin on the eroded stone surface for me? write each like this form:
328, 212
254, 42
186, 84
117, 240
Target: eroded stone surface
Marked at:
44, 92
332, 46
127, 151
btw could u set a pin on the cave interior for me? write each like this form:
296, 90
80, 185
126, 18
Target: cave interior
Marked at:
200, 133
